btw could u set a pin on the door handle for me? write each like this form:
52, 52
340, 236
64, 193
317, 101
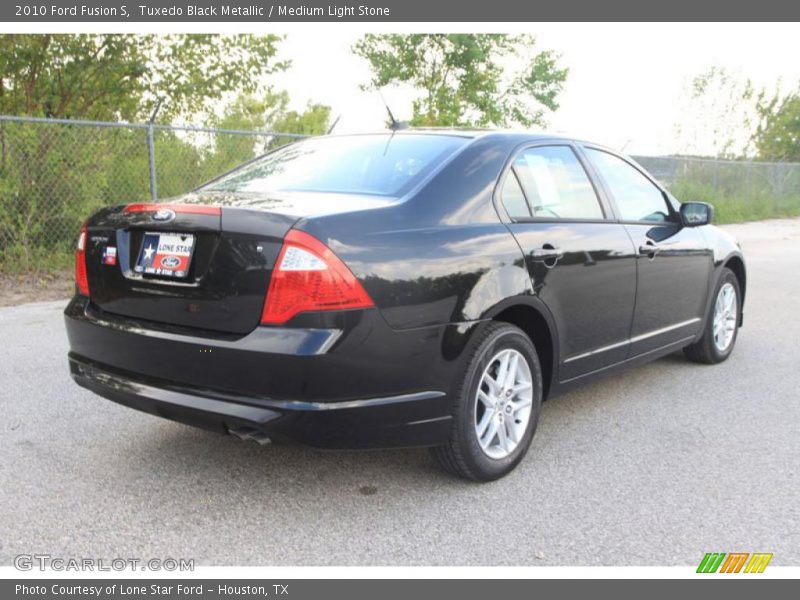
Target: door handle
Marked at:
649, 248
547, 252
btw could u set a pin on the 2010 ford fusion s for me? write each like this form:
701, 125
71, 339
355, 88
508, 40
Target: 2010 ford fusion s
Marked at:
416, 288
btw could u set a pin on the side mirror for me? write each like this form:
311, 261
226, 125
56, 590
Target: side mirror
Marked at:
695, 214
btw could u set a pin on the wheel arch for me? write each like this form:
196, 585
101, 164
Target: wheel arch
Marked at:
736, 264
538, 325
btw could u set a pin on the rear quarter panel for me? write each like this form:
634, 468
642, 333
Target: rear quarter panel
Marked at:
440, 256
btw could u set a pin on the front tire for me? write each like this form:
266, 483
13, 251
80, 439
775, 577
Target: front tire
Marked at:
497, 406
722, 323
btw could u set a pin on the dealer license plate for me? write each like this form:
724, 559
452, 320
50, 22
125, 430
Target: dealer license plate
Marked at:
166, 254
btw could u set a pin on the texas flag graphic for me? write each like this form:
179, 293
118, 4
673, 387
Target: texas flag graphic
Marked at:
165, 254
110, 256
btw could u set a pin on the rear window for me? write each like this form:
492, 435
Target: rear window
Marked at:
385, 165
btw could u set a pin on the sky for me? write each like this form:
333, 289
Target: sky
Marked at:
626, 88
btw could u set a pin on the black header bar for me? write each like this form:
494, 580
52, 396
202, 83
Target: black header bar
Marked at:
393, 11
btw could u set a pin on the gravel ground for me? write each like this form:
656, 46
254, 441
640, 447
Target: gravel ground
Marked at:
16, 289
653, 467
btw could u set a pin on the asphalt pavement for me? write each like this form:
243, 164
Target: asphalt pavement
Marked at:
652, 467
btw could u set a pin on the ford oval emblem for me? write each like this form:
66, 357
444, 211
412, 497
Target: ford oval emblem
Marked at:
163, 214
170, 262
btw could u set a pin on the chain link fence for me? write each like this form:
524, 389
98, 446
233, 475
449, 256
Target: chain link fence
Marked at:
53, 173
740, 190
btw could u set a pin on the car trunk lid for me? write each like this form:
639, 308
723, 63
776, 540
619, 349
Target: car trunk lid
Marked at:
236, 237
231, 254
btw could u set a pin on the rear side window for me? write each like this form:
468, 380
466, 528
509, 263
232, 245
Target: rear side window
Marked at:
634, 194
514, 199
556, 184
381, 164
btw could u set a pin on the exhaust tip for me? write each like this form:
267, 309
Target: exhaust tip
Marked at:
248, 434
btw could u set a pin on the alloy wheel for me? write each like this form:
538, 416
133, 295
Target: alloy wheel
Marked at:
725, 314
503, 406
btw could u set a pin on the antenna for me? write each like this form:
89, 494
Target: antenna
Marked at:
396, 125
334, 124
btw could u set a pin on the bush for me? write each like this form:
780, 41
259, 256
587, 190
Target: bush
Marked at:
52, 176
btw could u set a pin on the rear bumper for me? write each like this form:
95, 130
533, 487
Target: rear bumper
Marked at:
363, 386
393, 421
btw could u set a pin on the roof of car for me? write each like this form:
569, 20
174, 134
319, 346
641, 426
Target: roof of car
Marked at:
469, 132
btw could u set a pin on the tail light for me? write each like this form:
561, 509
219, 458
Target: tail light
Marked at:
80, 263
308, 276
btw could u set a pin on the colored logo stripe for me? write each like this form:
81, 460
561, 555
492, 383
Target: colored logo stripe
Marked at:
711, 562
758, 562
734, 562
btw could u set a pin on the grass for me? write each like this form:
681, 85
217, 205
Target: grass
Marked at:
740, 210
737, 207
36, 263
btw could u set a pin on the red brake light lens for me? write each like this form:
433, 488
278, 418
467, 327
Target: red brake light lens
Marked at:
81, 280
188, 209
308, 276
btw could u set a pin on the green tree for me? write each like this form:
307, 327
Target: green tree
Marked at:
467, 79
718, 115
777, 137
52, 176
112, 76
314, 120
270, 112
266, 112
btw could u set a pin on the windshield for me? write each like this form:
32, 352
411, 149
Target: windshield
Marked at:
384, 164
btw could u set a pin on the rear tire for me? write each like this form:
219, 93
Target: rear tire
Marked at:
497, 405
722, 323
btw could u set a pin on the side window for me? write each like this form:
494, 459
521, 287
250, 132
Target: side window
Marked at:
635, 195
556, 184
514, 199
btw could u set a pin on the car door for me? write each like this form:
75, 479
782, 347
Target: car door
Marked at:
674, 263
581, 263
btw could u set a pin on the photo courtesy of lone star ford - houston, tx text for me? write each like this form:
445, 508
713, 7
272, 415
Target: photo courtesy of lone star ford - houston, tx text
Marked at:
397, 299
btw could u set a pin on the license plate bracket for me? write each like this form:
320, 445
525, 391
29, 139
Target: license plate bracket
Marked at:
165, 254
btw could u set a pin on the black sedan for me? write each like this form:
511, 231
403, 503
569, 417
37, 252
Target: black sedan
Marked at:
418, 288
